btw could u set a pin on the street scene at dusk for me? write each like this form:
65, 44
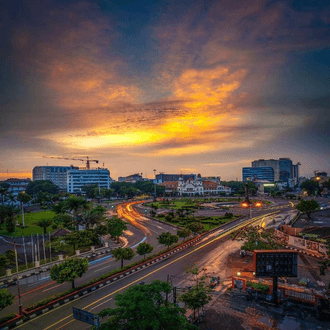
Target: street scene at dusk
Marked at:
165, 165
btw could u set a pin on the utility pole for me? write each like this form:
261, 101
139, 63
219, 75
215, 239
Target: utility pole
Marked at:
18, 287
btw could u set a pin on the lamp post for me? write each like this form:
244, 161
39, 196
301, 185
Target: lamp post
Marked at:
18, 287
155, 185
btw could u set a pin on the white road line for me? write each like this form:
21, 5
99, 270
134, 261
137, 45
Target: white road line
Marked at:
97, 270
53, 287
100, 304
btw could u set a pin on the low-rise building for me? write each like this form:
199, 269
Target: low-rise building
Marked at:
195, 187
16, 185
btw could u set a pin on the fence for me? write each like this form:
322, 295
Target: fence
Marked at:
309, 247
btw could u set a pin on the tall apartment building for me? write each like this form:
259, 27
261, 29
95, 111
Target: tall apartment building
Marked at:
260, 173
284, 170
76, 179
56, 174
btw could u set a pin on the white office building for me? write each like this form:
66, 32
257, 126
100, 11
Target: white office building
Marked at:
76, 179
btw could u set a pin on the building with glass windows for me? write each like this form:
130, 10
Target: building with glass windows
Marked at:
76, 179
258, 173
56, 174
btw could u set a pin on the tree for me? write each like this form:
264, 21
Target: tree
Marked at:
44, 223
76, 205
167, 239
257, 239
184, 232
10, 218
6, 298
69, 270
144, 307
123, 254
310, 186
65, 219
144, 248
116, 227
198, 295
89, 190
4, 187
308, 207
195, 227
45, 186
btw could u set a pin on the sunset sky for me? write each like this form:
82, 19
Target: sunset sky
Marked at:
177, 86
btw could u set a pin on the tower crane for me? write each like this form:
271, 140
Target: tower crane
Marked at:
82, 160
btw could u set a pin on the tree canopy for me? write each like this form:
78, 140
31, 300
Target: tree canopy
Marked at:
69, 270
257, 239
116, 227
308, 207
123, 254
167, 239
6, 298
144, 307
45, 186
144, 248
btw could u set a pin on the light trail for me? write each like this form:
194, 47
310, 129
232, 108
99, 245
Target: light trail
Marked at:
226, 232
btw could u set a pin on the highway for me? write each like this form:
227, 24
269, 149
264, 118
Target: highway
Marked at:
139, 229
205, 252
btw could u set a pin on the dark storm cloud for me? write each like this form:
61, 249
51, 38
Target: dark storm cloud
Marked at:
253, 71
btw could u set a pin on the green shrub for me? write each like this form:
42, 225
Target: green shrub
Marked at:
7, 318
258, 286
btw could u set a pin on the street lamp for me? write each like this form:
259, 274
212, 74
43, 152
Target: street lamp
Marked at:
249, 204
155, 183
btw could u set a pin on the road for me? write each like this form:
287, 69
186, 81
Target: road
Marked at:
139, 229
205, 252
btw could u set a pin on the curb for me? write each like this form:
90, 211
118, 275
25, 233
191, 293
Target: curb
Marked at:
37, 271
28, 315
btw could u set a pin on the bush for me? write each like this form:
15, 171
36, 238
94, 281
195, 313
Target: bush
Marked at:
54, 226
7, 318
258, 286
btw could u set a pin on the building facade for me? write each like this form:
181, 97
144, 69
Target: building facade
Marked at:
131, 178
16, 185
258, 173
56, 174
76, 179
195, 187
162, 177
284, 169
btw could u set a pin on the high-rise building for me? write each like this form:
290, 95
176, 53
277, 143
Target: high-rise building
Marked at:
56, 174
76, 179
258, 173
284, 170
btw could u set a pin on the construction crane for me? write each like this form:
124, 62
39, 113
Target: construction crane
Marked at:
82, 160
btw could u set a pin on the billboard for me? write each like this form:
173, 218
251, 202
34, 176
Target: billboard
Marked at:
86, 317
269, 263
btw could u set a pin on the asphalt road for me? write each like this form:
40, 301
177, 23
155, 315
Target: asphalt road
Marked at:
204, 252
140, 229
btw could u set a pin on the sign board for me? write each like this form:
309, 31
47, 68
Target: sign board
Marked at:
86, 317
270, 263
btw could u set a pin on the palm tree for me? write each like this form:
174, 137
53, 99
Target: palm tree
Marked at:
12, 199
44, 223
23, 198
4, 191
76, 205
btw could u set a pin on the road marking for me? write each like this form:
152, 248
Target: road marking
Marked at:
53, 287
157, 270
100, 304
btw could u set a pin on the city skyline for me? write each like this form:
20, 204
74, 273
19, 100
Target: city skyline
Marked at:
196, 87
